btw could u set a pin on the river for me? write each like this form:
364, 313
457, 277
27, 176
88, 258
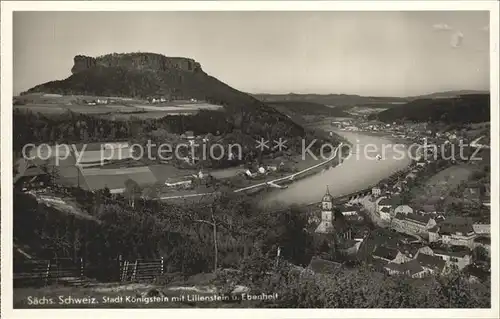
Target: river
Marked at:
357, 172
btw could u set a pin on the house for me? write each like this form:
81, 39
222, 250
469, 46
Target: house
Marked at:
481, 229
179, 182
389, 255
271, 168
349, 247
460, 256
426, 250
433, 234
350, 212
384, 253
457, 234
385, 213
429, 209
414, 223
398, 187
403, 209
432, 264
376, 192
189, 135
411, 268
383, 202
31, 176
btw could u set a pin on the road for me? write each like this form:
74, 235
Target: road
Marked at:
290, 177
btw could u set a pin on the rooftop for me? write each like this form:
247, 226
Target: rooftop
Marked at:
385, 202
452, 251
386, 253
417, 218
411, 267
448, 229
432, 262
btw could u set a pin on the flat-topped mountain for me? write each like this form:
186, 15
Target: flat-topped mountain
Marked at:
146, 75
142, 75
138, 61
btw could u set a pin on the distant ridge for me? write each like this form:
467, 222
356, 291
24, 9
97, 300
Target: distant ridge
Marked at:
466, 108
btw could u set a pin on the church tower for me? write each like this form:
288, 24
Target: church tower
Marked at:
327, 218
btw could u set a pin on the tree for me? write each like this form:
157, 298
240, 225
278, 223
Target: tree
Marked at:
132, 191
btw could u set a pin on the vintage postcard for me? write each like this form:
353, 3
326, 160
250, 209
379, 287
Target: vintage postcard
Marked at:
165, 156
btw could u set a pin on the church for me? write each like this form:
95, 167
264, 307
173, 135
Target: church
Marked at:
332, 221
327, 217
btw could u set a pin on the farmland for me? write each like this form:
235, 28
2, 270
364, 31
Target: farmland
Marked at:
444, 182
118, 109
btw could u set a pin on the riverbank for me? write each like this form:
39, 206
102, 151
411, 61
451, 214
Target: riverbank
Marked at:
355, 173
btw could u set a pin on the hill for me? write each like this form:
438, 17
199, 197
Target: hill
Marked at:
308, 108
142, 75
332, 100
145, 75
446, 94
471, 108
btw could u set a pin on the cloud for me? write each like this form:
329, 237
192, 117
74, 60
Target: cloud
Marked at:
441, 27
457, 39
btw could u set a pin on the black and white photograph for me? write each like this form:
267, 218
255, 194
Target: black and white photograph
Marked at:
251, 156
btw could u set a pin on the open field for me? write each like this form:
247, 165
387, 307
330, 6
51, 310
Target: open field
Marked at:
444, 182
120, 109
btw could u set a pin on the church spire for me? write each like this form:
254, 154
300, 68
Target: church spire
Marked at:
327, 197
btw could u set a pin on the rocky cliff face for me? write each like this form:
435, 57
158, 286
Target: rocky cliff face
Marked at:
138, 61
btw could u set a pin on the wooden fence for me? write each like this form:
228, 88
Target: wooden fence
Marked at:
46, 272
37, 273
141, 270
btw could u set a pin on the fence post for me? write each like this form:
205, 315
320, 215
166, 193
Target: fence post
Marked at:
162, 266
81, 267
57, 271
119, 268
48, 273
135, 270
124, 270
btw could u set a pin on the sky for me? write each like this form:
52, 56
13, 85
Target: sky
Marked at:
365, 53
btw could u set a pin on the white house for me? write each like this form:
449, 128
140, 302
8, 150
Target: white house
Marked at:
350, 211
385, 213
481, 228
411, 268
175, 182
457, 235
376, 192
414, 223
432, 264
458, 258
